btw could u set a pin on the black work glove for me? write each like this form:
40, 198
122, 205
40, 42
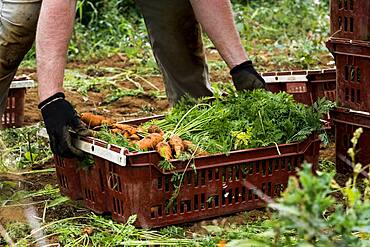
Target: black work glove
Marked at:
59, 116
245, 77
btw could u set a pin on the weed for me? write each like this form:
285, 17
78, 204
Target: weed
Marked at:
122, 92
326, 166
308, 214
23, 148
92, 230
286, 33
83, 83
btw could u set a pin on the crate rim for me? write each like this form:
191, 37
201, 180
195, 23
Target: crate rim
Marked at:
348, 47
299, 147
341, 114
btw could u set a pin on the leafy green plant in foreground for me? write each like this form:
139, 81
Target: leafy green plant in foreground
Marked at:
22, 148
309, 215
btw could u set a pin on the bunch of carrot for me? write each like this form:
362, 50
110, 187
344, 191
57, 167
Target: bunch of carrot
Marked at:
144, 139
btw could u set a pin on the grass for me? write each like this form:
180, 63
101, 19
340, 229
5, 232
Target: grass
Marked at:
108, 80
22, 148
287, 33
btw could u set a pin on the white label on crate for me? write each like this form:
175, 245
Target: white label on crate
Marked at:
102, 152
22, 84
285, 78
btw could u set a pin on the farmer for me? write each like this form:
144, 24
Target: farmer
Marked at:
175, 35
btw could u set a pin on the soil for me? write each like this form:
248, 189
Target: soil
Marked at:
12, 214
328, 152
225, 222
127, 107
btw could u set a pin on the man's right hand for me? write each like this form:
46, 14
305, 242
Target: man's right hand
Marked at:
245, 77
59, 116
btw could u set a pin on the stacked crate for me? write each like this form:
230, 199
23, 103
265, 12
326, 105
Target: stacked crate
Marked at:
14, 112
306, 86
350, 45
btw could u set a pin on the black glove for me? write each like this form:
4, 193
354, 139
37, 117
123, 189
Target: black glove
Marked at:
245, 77
59, 116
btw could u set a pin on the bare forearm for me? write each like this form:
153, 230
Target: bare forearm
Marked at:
53, 35
216, 18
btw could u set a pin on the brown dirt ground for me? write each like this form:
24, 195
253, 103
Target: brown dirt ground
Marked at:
127, 107
225, 222
328, 152
124, 108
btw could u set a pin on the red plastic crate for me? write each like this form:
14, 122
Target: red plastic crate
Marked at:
353, 73
82, 183
346, 122
221, 185
292, 82
350, 19
14, 112
322, 84
306, 86
93, 186
68, 177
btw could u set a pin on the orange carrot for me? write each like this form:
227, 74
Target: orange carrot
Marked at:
222, 243
121, 132
125, 128
116, 131
134, 137
191, 147
93, 120
155, 129
150, 141
164, 150
187, 145
177, 145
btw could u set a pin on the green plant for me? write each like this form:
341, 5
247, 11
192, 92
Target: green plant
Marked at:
118, 139
326, 166
243, 120
108, 27
289, 33
93, 230
308, 214
122, 92
22, 148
